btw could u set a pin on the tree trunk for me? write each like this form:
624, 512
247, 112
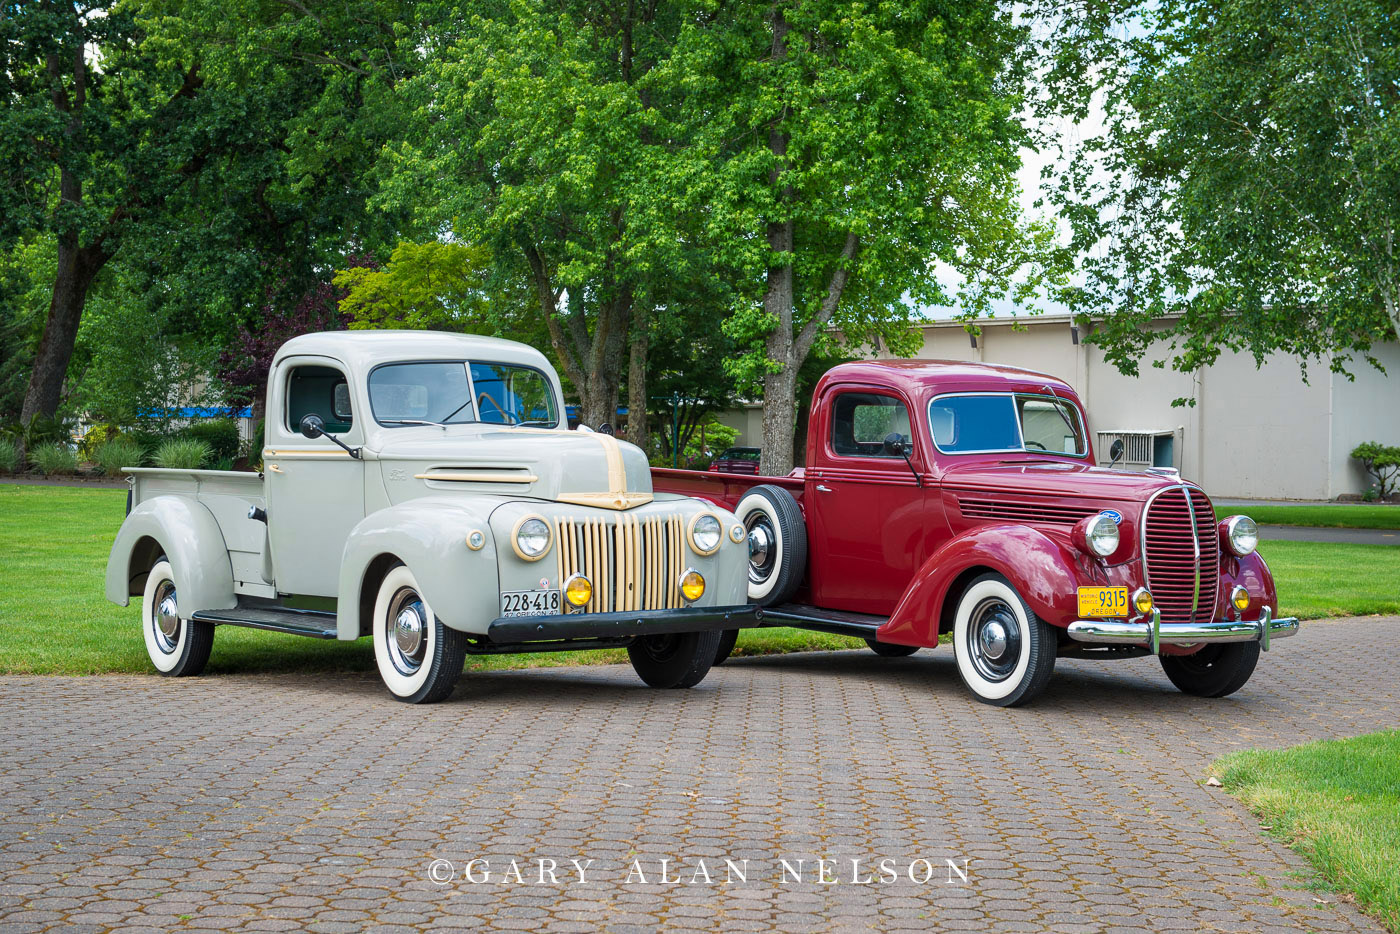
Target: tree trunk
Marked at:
637, 379
778, 387
77, 266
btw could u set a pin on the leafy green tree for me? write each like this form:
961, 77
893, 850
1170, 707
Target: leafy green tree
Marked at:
208, 148
845, 151
1247, 186
1382, 462
537, 137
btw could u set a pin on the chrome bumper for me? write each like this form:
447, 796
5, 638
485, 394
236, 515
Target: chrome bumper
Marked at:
1156, 633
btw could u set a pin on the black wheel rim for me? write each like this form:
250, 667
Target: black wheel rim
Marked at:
994, 639
660, 648
763, 546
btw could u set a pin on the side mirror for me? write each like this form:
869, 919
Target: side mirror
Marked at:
312, 426
894, 444
1115, 452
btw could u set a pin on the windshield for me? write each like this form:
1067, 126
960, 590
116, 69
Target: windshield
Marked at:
455, 392
1006, 422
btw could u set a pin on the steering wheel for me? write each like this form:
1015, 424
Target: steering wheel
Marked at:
1037, 444
486, 397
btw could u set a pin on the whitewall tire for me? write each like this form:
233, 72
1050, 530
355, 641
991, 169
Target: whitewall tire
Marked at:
178, 646
1005, 653
418, 657
777, 544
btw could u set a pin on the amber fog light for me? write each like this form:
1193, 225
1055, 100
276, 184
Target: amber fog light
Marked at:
1142, 600
692, 585
578, 590
1239, 598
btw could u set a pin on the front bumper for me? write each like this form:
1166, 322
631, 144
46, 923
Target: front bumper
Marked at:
1154, 634
517, 629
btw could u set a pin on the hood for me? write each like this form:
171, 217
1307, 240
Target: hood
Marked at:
1055, 478
585, 468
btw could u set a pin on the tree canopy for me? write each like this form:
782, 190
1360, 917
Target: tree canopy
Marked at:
1247, 185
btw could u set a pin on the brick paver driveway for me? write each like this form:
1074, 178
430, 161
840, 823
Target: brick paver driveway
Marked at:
293, 803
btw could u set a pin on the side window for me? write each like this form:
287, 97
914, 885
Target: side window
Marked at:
860, 422
319, 390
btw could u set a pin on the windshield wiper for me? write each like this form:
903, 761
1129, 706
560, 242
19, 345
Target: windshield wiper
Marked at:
527, 424
410, 421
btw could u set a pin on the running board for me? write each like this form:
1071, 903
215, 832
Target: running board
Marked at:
836, 622
313, 623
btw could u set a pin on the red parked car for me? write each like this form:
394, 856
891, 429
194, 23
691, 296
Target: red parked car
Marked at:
944, 497
737, 460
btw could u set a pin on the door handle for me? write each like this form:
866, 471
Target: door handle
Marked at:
822, 488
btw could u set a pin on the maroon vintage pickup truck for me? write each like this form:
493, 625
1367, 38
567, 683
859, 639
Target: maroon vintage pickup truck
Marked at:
944, 497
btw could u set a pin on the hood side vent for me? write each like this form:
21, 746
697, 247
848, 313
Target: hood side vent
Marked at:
1023, 511
478, 475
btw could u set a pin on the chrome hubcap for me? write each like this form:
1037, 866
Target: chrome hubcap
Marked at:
408, 629
165, 618
994, 640
761, 550
406, 632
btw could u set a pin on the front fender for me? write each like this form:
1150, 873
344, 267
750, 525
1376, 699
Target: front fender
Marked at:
1044, 571
429, 535
186, 532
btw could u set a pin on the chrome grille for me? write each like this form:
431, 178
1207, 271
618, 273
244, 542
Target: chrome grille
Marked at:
634, 563
1181, 555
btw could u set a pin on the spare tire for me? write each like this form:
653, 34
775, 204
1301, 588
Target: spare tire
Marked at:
777, 544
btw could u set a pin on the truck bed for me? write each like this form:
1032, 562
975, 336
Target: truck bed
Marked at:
722, 489
228, 494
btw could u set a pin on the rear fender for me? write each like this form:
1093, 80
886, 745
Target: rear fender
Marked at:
1044, 572
186, 532
430, 537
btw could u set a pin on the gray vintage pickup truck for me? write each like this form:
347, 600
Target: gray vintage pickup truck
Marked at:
423, 489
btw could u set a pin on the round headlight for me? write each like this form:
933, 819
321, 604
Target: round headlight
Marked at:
531, 538
692, 585
705, 534
578, 590
1241, 535
1101, 535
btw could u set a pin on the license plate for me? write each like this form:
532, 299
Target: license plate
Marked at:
1103, 601
529, 602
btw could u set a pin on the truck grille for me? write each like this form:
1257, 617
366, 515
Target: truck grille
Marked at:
633, 563
1181, 555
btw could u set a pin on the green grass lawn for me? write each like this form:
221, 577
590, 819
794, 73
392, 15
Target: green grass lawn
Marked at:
54, 619
1359, 516
1336, 802
1317, 579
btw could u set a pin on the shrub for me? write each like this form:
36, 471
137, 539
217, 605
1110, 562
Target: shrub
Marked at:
9, 457
52, 459
117, 453
1382, 463
183, 454
221, 434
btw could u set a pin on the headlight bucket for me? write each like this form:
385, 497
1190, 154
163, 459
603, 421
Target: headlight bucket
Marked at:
1239, 535
705, 533
1097, 535
531, 538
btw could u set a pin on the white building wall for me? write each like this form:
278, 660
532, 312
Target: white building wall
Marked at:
1365, 410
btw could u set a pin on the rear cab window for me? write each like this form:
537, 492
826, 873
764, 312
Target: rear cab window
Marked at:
860, 422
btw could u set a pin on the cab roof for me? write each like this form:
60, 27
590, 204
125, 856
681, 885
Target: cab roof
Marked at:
925, 377
362, 350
